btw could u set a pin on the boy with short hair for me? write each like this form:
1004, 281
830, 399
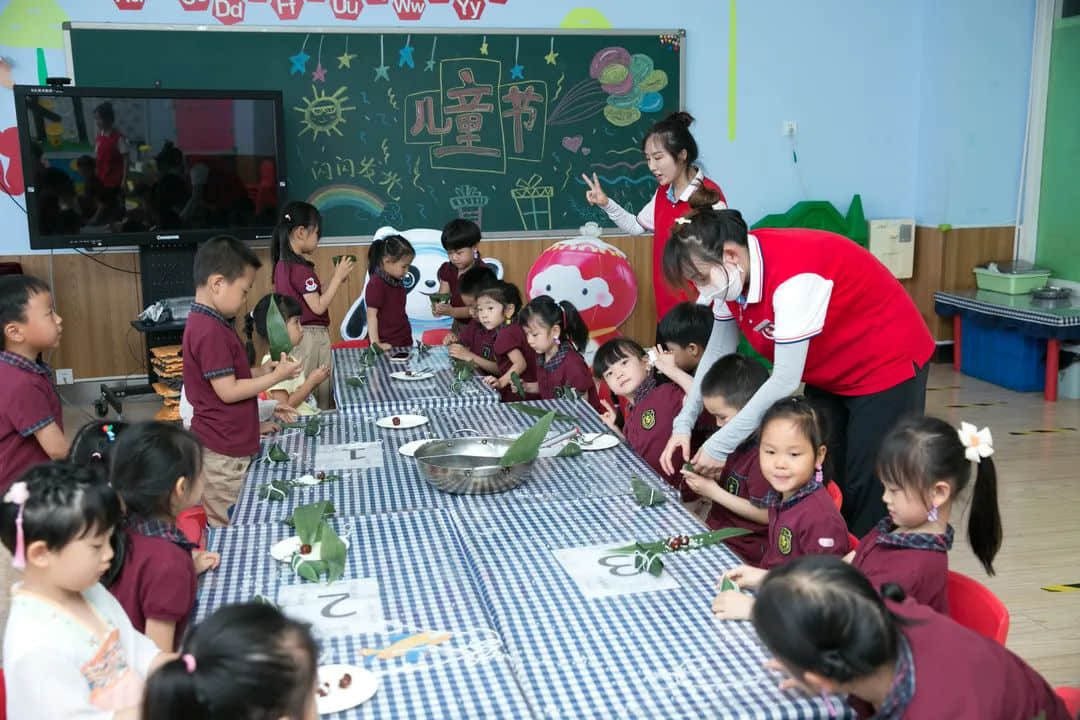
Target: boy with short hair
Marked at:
31, 417
461, 240
726, 388
218, 381
685, 332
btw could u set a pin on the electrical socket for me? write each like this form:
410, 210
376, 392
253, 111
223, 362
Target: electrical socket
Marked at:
789, 128
64, 377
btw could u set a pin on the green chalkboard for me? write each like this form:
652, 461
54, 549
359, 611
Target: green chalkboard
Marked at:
410, 130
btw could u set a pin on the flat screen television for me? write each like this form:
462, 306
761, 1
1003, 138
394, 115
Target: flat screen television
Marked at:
122, 166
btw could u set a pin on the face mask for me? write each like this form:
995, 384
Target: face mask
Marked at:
725, 283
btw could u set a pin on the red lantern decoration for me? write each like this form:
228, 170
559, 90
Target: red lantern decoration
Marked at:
287, 9
229, 12
195, 5
469, 9
346, 9
409, 9
595, 276
129, 4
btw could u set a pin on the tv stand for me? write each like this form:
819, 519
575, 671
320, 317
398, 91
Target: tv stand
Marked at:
165, 271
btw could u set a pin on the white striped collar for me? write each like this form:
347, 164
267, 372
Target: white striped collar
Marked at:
688, 190
757, 271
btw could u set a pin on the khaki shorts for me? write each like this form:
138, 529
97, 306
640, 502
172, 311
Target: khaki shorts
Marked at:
314, 352
225, 477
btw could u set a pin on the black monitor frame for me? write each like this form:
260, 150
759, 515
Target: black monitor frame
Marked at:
39, 241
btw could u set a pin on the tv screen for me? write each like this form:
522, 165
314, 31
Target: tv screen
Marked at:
111, 166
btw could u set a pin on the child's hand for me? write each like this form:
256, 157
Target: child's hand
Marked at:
706, 464
460, 352
493, 382
732, 605
608, 416
665, 361
285, 413
701, 485
449, 339
385, 345
442, 309
320, 374
287, 368
267, 428
746, 576
788, 682
344, 267
205, 560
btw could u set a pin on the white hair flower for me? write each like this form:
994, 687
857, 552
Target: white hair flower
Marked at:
17, 493
683, 220
977, 443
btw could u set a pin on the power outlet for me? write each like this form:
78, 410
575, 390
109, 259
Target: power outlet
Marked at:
789, 128
64, 377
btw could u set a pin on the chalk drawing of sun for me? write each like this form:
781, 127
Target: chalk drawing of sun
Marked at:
324, 113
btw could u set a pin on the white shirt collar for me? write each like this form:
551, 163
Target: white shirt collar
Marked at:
757, 270
688, 190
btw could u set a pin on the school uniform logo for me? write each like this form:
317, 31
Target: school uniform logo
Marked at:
311, 285
648, 419
783, 543
732, 485
486, 352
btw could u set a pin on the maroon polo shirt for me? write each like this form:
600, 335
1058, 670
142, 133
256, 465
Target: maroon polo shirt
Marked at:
962, 675
648, 427
512, 337
296, 280
157, 582
212, 349
449, 274
922, 573
742, 477
389, 300
807, 524
569, 369
478, 339
28, 402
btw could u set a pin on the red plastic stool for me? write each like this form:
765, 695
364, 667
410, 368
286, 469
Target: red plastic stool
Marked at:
192, 522
973, 605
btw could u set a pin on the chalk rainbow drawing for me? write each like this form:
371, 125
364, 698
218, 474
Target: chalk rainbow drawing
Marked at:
347, 196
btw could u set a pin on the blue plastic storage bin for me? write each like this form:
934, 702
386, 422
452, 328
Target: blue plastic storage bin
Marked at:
1002, 356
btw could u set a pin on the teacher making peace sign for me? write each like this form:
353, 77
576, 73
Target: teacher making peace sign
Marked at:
671, 152
827, 313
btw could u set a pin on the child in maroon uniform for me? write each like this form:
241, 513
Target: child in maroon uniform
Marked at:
156, 469
623, 365
828, 628
924, 464
474, 343
497, 309
726, 388
388, 262
803, 520
460, 238
557, 334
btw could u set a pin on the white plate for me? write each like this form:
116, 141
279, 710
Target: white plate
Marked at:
400, 359
599, 441
414, 375
284, 550
363, 686
406, 421
409, 449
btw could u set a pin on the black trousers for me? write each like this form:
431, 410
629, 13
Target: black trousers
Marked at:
857, 425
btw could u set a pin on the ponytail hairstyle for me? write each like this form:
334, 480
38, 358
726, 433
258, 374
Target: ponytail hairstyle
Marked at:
392, 248
545, 311
673, 134
612, 352
503, 293
93, 444
244, 661
255, 321
149, 458
819, 614
701, 241
922, 451
296, 214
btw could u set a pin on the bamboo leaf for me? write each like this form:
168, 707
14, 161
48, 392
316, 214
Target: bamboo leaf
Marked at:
277, 455
263, 600
571, 449
646, 495
727, 584
437, 298
332, 552
356, 381
313, 427
308, 519
276, 490
540, 412
276, 332
519, 387
527, 447
328, 511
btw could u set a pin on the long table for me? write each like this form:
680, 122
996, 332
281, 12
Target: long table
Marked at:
487, 591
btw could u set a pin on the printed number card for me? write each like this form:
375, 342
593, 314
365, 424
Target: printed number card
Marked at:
350, 456
600, 573
342, 608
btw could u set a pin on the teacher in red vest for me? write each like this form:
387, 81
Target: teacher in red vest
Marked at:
671, 151
825, 312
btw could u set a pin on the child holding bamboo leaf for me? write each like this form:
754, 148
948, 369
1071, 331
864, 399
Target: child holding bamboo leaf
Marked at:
275, 322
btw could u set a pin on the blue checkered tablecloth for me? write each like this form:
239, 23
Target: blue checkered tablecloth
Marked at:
425, 585
398, 485
655, 654
380, 391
